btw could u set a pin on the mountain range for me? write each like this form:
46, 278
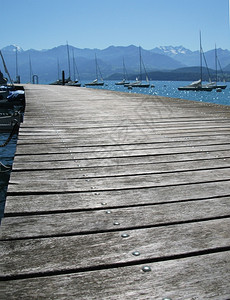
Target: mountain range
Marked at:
48, 64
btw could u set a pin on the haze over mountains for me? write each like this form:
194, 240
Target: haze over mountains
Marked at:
47, 64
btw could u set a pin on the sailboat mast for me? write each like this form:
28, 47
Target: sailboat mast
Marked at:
201, 75
58, 67
6, 70
140, 63
31, 72
68, 60
216, 62
75, 68
96, 66
74, 77
221, 69
16, 62
124, 75
209, 76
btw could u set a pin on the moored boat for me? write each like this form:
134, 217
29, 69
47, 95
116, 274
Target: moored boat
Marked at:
197, 85
221, 86
138, 83
217, 85
7, 122
124, 81
73, 83
12, 106
69, 81
96, 82
12, 103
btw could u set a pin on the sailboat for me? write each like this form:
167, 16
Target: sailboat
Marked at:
124, 81
76, 81
69, 81
58, 81
138, 82
215, 84
197, 85
96, 82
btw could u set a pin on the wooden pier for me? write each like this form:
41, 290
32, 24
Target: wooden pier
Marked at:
117, 196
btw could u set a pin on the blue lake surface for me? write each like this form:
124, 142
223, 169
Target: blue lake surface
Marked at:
162, 88
169, 89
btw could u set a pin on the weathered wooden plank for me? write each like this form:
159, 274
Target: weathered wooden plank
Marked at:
206, 277
108, 249
103, 220
26, 204
157, 142
133, 129
142, 134
118, 182
160, 166
118, 170
65, 148
104, 158
121, 139
62, 147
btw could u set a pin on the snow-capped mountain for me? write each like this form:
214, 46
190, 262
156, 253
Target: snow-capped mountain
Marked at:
179, 53
12, 48
192, 58
172, 51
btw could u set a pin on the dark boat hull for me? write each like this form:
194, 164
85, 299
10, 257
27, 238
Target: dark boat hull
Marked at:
94, 84
139, 85
218, 86
73, 84
206, 89
121, 83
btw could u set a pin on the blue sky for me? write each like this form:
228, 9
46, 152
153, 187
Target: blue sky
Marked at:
44, 24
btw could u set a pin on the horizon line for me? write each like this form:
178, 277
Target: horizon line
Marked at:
14, 45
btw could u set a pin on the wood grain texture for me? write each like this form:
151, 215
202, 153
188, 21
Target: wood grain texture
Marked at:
203, 277
103, 220
92, 165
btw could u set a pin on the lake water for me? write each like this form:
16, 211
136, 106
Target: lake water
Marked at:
162, 88
169, 89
